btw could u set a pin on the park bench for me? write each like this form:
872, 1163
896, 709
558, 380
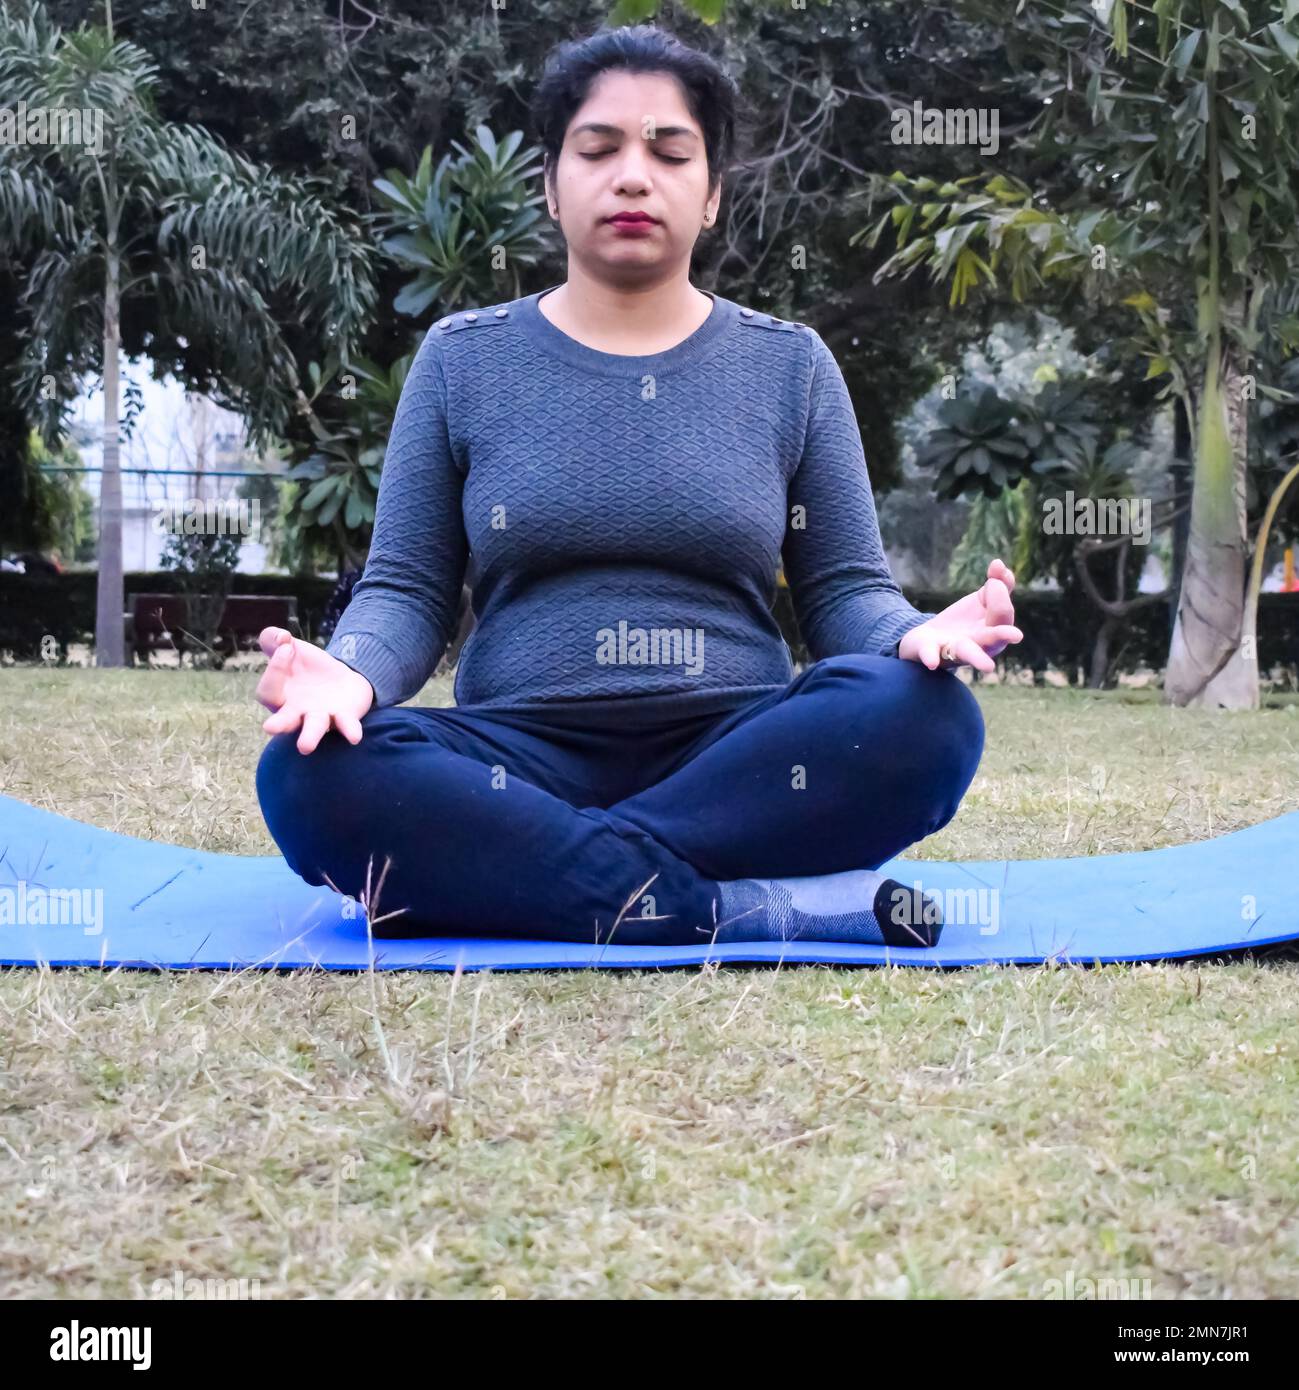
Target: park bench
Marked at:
161, 622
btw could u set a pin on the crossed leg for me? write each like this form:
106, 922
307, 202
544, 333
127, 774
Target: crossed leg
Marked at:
857, 758
475, 823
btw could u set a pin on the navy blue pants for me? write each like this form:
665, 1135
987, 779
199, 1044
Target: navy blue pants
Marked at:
533, 824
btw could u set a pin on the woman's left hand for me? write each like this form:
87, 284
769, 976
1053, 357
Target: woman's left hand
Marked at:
971, 631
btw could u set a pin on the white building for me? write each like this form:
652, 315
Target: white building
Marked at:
184, 450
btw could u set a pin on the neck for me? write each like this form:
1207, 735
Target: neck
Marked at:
632, 312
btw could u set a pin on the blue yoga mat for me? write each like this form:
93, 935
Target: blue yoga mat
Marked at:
119, 901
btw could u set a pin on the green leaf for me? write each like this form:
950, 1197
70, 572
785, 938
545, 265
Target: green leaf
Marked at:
1182, 54
1211, 63
318, 493
330, 510
1284, 40
1087, 224
1119, 26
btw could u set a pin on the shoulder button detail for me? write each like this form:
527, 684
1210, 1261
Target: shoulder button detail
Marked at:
471, 320
767, 321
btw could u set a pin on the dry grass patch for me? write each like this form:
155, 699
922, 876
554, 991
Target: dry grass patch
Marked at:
735, 1132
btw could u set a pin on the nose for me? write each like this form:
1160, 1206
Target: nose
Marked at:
632, 167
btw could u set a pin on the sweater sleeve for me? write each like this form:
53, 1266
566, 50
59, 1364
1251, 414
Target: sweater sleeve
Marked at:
405, 605
844, 595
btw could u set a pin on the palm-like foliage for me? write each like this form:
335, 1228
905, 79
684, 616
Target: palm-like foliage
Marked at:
223, 249
443, 219
340, 480
1177, 119
988, 443
464, 227
977, 447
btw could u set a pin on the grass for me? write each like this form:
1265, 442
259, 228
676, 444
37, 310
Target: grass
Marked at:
801, 1132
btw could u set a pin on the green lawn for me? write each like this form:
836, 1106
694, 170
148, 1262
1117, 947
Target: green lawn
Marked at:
735, 1132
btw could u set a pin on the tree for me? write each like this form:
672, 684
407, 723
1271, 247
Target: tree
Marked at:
454, 227
119, 203
1187, 215
59, 514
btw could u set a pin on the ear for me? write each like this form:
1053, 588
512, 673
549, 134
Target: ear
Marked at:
714, 200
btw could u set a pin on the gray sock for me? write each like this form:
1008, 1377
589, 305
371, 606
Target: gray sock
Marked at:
860, 905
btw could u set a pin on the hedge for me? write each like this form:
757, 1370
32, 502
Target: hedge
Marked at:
1057, 636
63, 606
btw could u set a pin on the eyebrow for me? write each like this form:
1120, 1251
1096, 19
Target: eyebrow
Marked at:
661, 132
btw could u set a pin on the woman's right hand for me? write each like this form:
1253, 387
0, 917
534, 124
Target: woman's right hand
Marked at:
306, 686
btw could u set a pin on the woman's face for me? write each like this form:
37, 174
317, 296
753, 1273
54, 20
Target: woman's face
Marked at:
632, 146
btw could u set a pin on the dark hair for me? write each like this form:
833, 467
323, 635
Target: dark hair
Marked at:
572, 67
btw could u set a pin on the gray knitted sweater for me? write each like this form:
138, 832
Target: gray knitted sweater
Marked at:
620, 520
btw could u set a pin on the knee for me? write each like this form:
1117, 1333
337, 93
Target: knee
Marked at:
931, 721
942, 716
306, 797
949, 714
293, 788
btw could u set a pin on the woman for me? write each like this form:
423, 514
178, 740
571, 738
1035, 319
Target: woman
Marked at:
621, 461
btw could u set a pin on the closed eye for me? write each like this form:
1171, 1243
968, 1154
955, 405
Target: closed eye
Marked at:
671, 159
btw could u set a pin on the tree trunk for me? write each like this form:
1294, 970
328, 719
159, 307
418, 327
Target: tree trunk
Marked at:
1100, 665
1181, 472
1206, 664
110, 598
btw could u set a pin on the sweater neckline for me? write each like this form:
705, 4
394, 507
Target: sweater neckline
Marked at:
554, 340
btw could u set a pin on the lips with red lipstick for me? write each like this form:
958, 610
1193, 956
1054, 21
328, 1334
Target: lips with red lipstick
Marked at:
632, 221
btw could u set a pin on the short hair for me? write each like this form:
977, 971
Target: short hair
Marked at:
571, 67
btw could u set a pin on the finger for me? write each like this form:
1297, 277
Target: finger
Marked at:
998, 569
1005, 633
270, 691
349, 726
271, 638
314, 727
928, 650
277, 671
283, 721
996, 602
969, 653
